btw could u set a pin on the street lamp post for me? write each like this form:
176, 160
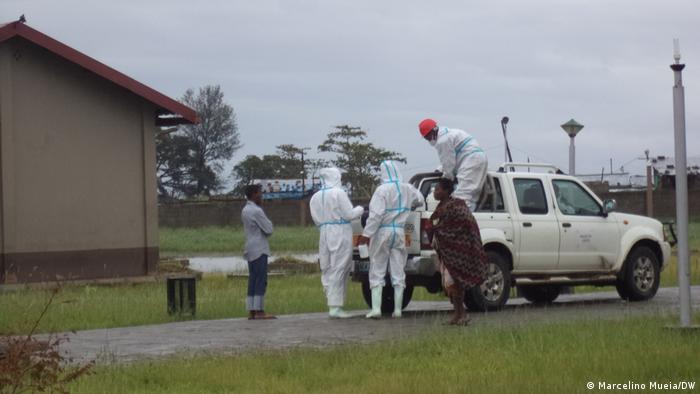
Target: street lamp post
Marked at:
681, 187
572, 128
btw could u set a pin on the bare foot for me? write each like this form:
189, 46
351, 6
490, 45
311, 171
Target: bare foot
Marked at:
460, 321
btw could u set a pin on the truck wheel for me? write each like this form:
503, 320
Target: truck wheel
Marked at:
387, 296
493, 293
639, 279
541, 294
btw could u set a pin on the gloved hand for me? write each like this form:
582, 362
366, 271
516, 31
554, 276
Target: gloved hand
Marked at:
362, 240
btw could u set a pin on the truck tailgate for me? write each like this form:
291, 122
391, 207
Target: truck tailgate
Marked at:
411, 230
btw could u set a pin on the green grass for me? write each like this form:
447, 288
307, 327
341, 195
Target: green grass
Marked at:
669, 276
535, 358
89, 306
694, 236
80, 307
231, 240
85, 307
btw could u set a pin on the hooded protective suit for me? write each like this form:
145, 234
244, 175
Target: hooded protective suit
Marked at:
332, 212
462, 158
388, 210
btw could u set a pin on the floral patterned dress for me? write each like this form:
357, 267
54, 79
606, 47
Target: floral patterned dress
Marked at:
458, 242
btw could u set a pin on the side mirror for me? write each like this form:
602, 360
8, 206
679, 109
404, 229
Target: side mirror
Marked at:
609, 205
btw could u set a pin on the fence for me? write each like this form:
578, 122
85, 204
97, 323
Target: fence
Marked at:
294, 213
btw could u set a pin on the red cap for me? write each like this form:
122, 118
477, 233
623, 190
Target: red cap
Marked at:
426, 126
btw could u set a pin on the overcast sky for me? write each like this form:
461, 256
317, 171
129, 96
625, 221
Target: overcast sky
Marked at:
293, 69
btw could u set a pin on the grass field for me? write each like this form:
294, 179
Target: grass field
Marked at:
231, 240
218, 297
85, 307
535, 358
89, 306
79, 307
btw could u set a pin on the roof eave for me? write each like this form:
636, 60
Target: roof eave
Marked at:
10, 30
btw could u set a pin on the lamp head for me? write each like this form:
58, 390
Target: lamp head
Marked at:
572, 128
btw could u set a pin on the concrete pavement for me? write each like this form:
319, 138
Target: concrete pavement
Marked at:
317, 330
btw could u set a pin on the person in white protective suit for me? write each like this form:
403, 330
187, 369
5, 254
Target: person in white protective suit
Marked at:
389, 208
332, 212
461, 158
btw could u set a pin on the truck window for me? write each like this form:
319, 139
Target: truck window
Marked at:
572, 199
531, 197
486, 203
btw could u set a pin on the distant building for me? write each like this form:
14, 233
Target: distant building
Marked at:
664, 170
617, 180
77, 163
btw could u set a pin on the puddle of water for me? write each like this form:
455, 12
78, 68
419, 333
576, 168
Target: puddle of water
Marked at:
237, 264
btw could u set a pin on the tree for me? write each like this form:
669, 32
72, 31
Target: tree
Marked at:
359, 159
295, 163
288, 162
213, 140
291, 158
173, 164
254, 167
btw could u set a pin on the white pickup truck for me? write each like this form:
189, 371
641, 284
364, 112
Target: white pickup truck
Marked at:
541, 231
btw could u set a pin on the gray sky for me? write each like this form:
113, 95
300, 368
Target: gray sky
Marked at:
293, 69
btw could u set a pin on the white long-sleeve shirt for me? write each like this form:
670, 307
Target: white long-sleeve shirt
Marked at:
257, 228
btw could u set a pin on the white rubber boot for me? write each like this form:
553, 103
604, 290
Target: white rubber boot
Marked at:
376, 312
337, 312
398, 301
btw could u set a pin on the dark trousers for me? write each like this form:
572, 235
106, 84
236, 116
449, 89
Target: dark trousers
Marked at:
257, 283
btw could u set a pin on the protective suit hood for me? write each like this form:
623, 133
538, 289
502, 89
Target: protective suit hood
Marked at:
330, 177
390, 172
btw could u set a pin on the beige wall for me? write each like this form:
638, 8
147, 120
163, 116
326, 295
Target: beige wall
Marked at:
78, 157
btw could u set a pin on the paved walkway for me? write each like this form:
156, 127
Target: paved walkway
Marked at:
317, 330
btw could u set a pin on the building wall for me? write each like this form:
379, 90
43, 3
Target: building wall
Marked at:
664, 203
78, 166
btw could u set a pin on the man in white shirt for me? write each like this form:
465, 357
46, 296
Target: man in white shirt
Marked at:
257, 229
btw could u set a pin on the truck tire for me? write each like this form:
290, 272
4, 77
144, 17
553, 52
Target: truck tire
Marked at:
639, 278
540, 294
387, 296
493, 293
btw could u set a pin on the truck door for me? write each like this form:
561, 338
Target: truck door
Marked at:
491, 211
587, 239
537, 230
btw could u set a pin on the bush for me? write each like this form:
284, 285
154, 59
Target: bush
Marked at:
30, 365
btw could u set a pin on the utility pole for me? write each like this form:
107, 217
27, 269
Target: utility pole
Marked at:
650, 187
303, 207
303, 172
681, 187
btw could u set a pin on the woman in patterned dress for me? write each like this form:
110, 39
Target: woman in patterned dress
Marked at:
458, 245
